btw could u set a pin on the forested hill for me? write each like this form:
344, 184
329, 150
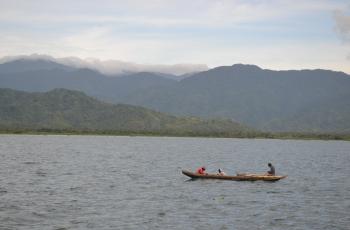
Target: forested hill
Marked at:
62, 109
303, 101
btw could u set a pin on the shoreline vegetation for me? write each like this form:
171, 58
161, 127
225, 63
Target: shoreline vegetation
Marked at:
248, 135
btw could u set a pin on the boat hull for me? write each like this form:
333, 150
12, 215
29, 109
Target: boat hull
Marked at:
242, 177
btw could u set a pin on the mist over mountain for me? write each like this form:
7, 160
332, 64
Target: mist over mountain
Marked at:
294, 100
109, 67
43, 75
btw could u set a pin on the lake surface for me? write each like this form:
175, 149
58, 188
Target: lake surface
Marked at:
102, 182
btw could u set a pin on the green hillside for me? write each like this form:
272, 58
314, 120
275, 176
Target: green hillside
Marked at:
275, 101
62, 109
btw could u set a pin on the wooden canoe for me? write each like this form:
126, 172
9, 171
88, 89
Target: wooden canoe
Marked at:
239, 177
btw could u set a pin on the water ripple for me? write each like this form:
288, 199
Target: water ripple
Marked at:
95, 182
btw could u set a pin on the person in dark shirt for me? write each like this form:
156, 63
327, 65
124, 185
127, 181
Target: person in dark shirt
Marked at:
271, 172
221, 173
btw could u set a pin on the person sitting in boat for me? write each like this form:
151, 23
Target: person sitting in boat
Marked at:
271, 172
201, 170
221, 173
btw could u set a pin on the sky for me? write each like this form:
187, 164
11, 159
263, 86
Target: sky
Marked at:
285, 34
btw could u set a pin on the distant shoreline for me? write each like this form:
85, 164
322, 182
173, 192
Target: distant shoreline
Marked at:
248, 135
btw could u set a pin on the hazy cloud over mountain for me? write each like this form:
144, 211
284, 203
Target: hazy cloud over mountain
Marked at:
112, 67
275, 34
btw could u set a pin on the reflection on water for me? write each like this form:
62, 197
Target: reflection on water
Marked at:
95, 182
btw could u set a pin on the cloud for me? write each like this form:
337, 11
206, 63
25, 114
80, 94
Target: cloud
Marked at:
215, 32
342, 20
112, 67
181, 13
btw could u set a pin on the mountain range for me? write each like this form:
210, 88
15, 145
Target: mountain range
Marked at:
282, 101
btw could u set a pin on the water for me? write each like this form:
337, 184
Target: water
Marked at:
101, 182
